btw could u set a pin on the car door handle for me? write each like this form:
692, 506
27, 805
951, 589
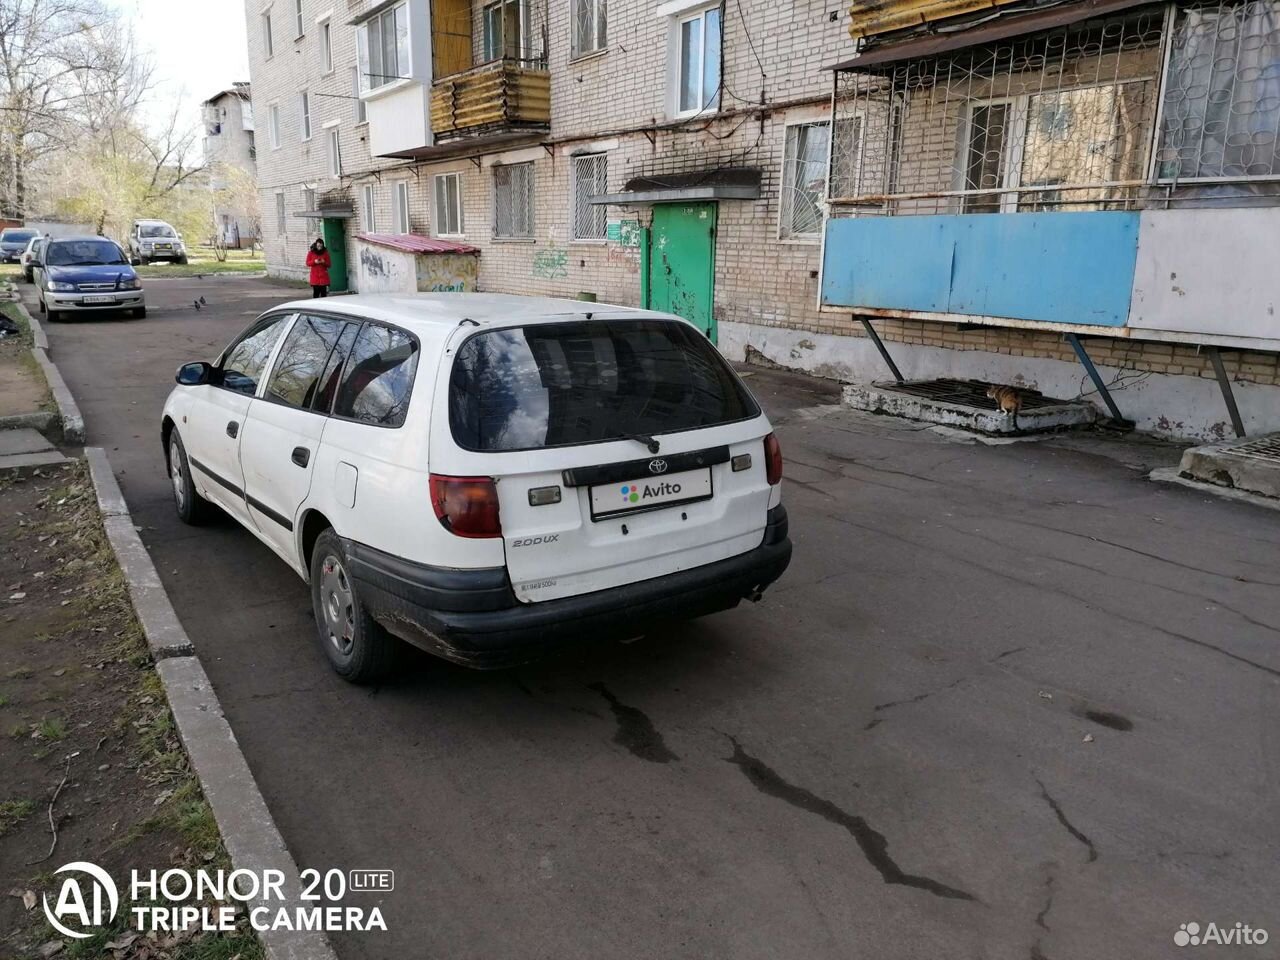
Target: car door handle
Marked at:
233, 428
301, 456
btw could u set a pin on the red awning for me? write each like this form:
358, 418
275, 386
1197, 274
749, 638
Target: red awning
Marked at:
413, 243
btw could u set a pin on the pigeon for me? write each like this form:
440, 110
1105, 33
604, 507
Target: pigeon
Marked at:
196, 304
202, 300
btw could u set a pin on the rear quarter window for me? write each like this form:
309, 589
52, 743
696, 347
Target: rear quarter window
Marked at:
564, 384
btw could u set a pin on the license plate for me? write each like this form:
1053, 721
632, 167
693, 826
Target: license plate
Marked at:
97, 299
648, 493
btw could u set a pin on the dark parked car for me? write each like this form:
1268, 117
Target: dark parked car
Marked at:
86, 275
14, 240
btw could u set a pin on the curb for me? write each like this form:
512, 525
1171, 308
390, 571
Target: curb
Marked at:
249, 833
1172, 475
68, 410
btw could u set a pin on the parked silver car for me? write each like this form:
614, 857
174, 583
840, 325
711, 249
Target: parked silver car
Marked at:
155, 240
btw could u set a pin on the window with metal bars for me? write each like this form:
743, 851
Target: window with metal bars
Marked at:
513, 201
804, 180
589, 23
1220, 116
590, 179
447, 189
1057, 120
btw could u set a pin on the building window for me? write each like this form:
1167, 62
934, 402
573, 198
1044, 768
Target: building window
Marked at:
361, 115
384, 47
309, 205
1221, 117
368, 215
280, 214
297, 17
306, 115
1032, 145
326, 46
513, 201
697, 66
334, 153
588, 26
447, 190
590, 179
400, 209
804, 180
268, 42
505, 25
273, 124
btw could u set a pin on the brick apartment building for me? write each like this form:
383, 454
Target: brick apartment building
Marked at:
676, 155
230, 154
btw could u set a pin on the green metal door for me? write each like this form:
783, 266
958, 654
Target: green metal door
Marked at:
335, 238
682, 261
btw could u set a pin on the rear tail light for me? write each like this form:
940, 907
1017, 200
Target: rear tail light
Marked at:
772, 460
466, 506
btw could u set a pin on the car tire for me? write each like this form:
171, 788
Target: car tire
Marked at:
183, 260
192, 508
53, 316
359, 649
138, 312
40, 305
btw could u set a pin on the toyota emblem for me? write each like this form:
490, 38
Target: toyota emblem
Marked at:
658, 466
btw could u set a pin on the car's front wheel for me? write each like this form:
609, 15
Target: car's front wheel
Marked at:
192, 508
358, 648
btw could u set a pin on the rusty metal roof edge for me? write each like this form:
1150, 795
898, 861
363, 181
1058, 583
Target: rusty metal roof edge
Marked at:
1009, 23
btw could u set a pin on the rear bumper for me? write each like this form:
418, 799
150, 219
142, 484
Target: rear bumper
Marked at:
473, 617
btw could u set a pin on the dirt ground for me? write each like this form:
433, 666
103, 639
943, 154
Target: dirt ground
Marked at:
87, 744
22, 387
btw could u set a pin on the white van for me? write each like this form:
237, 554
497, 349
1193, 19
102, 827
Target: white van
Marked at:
483, 475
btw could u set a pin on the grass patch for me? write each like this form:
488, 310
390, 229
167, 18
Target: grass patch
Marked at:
13, 812
4, 701
52, 728
202, 262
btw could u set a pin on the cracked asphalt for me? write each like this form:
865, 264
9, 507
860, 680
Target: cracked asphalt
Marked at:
1009, 701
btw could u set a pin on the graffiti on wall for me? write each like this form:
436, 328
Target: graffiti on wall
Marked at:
551, 263
448, 273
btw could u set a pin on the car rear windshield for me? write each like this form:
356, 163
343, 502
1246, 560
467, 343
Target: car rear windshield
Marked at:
68, 253
16, 236
561, 384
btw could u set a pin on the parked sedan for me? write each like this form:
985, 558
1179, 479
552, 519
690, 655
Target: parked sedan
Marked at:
483, 475
87, 275
14, 240
31, 256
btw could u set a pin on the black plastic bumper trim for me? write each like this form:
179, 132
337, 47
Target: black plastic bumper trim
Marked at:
635, 469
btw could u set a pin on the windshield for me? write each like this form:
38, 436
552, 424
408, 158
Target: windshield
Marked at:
68, 253
561, 384
156, 230
16, 236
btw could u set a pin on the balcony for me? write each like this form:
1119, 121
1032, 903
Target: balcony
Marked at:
503, 99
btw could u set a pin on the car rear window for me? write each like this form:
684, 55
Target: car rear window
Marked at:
561, 384
15, 236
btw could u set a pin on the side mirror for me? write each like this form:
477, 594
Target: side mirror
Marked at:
194, 374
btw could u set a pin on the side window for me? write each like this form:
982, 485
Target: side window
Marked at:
244, 362
332, 374
296, 375
379, 377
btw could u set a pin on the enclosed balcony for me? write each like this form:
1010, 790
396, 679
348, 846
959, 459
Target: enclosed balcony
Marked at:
490, 80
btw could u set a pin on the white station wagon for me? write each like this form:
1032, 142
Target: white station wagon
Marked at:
483, 475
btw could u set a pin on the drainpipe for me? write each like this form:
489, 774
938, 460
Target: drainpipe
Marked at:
644, 267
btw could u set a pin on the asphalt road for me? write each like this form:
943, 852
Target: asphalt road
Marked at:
889, 757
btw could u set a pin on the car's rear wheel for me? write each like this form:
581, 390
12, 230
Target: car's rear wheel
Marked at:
358, 648
192, 508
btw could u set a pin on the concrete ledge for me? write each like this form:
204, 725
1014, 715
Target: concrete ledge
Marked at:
1172, 475
68, 410
28, 421
249, 833
16, 461
1219, 464
885, 400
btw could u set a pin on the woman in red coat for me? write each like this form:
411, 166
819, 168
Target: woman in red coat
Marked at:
318, 261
